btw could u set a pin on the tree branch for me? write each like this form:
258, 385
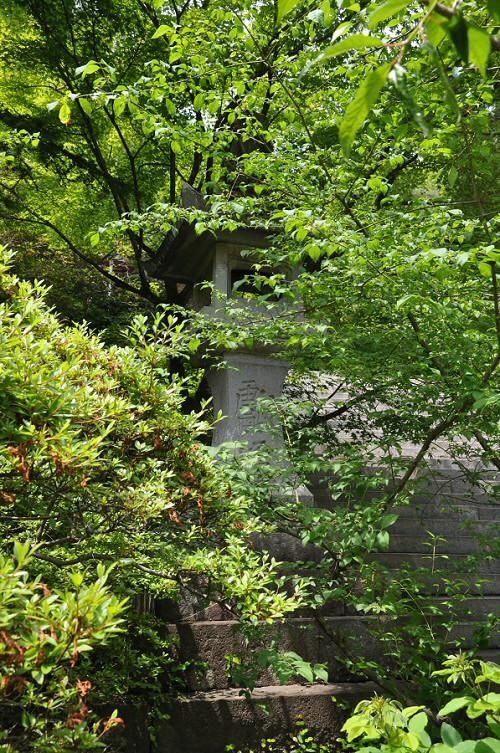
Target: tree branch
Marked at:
38, 219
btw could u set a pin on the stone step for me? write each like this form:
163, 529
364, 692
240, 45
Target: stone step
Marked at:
413, 542
414, 539
446, 527
486, 581
423, 510
208, 722
210, 642
458, 563
443, 485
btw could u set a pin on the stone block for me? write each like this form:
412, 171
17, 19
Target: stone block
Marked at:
208, 722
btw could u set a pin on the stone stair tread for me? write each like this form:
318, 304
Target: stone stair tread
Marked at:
211, 642
492, 564
436, 525
487, 599
283, 691
454, 512
207, 721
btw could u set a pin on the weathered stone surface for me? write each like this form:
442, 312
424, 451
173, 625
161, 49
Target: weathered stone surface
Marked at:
236, 390
454, 544
207, 722
448, 511
448, 527
457, 563
210, 642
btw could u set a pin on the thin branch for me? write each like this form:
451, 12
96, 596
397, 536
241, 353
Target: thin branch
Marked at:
38, 219
487, 448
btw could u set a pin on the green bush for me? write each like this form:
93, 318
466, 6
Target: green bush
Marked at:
43, 633
380, 725
101, 463
383, 725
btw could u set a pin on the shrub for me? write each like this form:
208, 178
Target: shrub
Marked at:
43, 632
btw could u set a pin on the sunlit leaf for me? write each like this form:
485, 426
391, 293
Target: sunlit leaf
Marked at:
85, 70
355, 42
479, 48
65, 114
455, 704
285, 7
161, 31
386, 10
359, 108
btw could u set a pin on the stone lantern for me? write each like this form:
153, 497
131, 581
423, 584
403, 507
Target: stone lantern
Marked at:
250, 374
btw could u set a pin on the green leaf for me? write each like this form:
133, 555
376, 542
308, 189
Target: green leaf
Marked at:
86, 105
85, 70
398, 79
435, 29
485, 269
354, 42
171, 108
488, 745
313, 251
65, 114
449, 735
467, 746
21, 552
161, 31
305, 670
199, 101
452, 176
489, 671
418, 723
119, 106
458, 33
479, 48
494, 9
383, 540
425, 739
76, 579
387, 521
386, 10
488, 702
285, 7
359, 108
321, 673
448, 89
493, 725
455, 704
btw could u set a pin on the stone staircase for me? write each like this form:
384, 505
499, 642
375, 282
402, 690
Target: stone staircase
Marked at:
214, 714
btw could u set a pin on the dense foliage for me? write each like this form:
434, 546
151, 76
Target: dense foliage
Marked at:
43, 701
99, 465
382, 725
